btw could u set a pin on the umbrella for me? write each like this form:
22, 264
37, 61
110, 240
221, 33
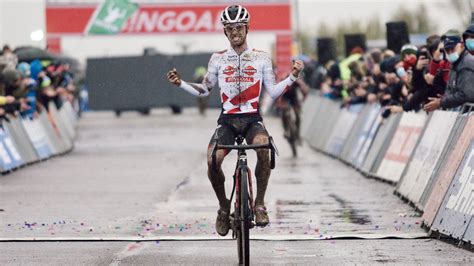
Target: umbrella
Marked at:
30, 53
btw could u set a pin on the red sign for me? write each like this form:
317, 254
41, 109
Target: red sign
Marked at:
168, 18
283, 55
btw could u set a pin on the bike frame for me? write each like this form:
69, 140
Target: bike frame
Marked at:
241, 225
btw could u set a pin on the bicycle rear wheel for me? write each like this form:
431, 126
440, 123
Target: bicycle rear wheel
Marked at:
243, 236
293, 134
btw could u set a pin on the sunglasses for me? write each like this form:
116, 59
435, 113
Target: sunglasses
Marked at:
234, 26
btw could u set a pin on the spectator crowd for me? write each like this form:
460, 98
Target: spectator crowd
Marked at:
436, 75
27, 87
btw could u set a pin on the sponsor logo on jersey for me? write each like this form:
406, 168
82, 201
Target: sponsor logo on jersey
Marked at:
229, 70
238, 79
247, 57
249, 70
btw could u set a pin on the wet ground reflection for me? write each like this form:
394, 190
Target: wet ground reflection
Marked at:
350, 214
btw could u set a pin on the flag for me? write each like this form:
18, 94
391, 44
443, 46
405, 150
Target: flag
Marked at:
110, 17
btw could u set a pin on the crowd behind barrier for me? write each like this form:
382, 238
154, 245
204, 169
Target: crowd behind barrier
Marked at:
37, 117
405, 119
430, 158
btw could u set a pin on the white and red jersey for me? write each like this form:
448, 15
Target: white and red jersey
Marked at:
240, 79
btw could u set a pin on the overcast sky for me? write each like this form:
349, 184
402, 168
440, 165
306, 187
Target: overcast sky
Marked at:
18, 18
314, 12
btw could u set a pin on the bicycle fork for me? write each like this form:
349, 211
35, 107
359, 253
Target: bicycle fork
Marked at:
236, 219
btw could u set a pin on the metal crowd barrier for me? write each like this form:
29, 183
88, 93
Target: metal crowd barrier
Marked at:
430, 159
24, 141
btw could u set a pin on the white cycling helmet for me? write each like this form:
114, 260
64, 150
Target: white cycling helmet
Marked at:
235, 14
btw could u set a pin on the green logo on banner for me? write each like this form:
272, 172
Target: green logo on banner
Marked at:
111, 16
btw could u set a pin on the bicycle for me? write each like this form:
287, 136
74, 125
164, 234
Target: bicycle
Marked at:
243, 217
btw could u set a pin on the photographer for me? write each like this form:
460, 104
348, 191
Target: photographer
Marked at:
461, 77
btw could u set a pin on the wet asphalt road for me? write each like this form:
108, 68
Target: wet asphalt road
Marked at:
143, 178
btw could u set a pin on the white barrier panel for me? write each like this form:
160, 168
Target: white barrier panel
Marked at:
341, 130
71, 113
308, 111
426, 154
402, 145
354, 133
59, 125
317, 125
53, 136
311, 111
18, 133
37, 137
23, 145
7, 163
364, 140
328, 121
450, 145
369, 138
17, 161
383, 133
48, 137
457, 209
67, 123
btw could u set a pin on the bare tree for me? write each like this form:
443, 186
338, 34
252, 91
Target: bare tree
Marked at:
417, 20
464, 8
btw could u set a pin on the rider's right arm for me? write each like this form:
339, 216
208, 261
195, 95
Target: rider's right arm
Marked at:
210, 79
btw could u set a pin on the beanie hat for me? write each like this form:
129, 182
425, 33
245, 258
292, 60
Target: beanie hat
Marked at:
408, 49
469, 32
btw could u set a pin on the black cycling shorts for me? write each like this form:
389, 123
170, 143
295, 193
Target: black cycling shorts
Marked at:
230, 126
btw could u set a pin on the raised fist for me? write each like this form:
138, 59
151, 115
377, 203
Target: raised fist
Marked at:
296, 68
174, 77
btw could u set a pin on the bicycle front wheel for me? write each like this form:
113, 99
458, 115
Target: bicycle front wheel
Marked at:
243, 234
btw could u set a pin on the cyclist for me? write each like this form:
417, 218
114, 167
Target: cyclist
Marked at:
290, 99
239, 72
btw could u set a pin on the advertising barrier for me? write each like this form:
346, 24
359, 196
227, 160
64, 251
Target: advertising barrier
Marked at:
455, 213
368, 138
426, 155
21, 139
9, 154
431, 158
317, 125
309, 110
6, 163
24, 141
59, 125
401, 146
51, 137
448, 170
450, 145
365, 137
382, 133
342, 128
37, 137
332, 112
353, 134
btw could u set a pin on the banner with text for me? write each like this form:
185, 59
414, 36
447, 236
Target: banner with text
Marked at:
159, 19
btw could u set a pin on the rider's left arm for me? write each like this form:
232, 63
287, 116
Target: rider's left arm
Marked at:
274, 89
